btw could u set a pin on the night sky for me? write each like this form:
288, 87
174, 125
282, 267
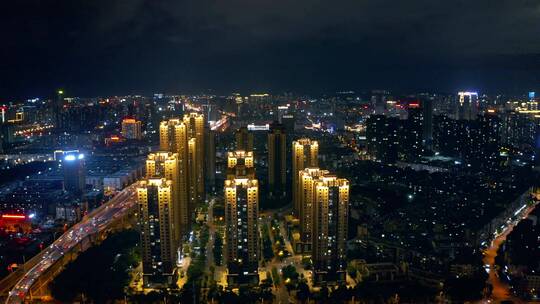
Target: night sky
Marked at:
99, 47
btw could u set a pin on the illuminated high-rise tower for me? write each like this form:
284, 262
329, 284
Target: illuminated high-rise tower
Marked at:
74, 173
166, 165
241, 215
195, 124
467, 107
305, 153
244, 139
329, 233
131, 128
155, 199
277, 164
186, 138
240, 163
307, 179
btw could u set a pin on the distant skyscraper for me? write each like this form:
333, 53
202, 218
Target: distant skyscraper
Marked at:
382, 136
378, 102
427, 111
241, 218
131, 129
244, 139
412, 141
467, 107
57, 109
329, 234
277, 164
74, 173
305, 153
155, 198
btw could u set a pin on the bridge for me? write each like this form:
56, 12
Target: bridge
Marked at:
31, 281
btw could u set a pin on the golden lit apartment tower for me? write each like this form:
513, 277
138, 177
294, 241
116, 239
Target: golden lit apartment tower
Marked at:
307, 179
240, 163
277, 170
244, 139
242, 234
329, 234
155, 198
180, 136
131, 128
195, 123
166, 165
305, 153
241, 216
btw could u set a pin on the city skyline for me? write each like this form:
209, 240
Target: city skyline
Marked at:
308, 151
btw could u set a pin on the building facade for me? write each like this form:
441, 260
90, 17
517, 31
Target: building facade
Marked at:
277, 162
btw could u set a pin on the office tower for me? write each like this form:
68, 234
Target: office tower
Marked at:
166, 165
382, 138
210, 160
244, 139
378, 102
329, 234
155, 199
277, 170
131, 129
412, 133
241, 215
74, 173
427, 128
195, 124
307, 179
467, 107
305, 153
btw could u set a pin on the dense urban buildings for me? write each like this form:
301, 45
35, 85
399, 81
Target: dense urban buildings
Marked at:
351, 191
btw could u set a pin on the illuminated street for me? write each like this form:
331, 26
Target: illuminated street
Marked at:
501, 291
93, 223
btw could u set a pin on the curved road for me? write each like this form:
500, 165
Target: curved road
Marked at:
95, 222
501, 291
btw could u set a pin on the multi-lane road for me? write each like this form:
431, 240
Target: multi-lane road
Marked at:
95, 222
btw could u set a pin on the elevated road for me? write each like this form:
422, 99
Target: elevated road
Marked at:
95, 222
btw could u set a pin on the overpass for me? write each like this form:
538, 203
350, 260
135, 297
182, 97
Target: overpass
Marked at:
31, 282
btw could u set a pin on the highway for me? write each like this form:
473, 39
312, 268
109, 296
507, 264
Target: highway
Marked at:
96, 221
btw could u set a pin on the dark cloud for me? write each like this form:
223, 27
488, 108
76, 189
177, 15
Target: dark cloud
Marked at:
114, 46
